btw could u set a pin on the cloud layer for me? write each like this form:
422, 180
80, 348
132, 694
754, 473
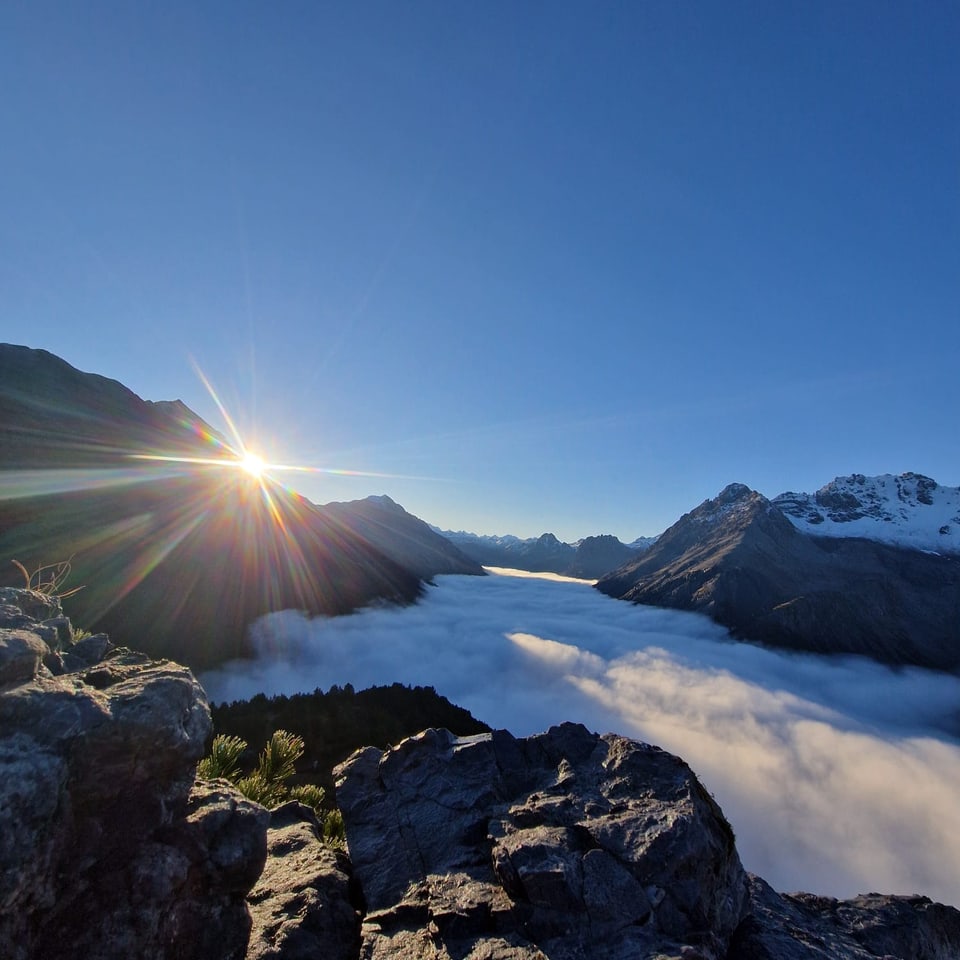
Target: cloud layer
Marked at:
836, 774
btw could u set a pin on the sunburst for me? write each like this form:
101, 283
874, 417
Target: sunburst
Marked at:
253, 464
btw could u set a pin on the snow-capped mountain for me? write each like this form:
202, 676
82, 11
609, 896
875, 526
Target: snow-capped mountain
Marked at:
909, 510
741, 560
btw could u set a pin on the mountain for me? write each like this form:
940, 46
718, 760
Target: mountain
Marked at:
53, 415
588, 558
183, 556
739, 559
908, 510
403, 537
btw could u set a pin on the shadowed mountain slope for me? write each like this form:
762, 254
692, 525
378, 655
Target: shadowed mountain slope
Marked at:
402, 537
740, 560
53, 415
182, 557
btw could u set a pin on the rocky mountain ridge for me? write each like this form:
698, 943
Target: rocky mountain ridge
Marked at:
565, 845
401, 536
739, 559
909, 510
53, 415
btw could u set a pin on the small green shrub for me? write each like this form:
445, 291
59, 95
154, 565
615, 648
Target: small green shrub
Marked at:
267, 783
223, 760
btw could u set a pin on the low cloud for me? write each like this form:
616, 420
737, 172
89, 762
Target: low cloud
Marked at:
836, 773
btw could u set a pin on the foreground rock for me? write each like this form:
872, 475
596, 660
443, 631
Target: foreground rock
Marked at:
807, 927
738, 559
304, 905
573, 846
564, 845
108, 848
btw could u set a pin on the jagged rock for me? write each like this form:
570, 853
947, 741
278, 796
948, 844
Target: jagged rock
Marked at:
302, 907
566, 844
107, 847
572, 846
806, 927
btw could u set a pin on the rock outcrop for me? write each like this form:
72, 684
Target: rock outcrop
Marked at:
740, 560
574, 846
561, 845
304, 905
108, 848
803, 926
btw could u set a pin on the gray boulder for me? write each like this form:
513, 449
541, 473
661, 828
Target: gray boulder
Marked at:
108, 848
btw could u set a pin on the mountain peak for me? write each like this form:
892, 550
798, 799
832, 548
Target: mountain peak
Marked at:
382, 500
734, 491
909, 509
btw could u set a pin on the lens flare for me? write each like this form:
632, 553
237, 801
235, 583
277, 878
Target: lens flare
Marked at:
252, 464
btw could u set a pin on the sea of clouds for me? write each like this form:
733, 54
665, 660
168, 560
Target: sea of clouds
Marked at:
839, 776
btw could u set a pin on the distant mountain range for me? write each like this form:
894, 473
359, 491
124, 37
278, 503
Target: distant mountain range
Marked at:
588, 558
751, 564
178, 559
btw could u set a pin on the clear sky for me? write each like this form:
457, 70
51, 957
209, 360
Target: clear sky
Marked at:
553, 266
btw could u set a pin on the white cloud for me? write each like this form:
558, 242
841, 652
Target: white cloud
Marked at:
834, 772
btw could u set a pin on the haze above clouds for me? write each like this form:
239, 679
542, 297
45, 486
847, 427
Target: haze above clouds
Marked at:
836, 774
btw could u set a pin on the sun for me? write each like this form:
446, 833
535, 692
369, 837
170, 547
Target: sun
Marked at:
252, 464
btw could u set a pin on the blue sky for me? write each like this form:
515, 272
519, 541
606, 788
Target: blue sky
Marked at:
554, 266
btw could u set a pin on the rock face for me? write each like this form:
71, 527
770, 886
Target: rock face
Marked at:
107, 847
740, 560
806, 927
573, 846
906, 510
562, 845
304, 905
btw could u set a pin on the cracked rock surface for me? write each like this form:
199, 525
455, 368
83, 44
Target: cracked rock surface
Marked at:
573, 846
564, 845
108, 848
